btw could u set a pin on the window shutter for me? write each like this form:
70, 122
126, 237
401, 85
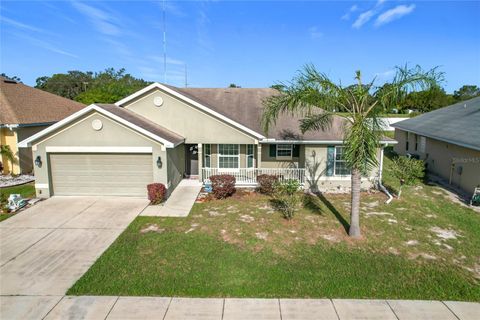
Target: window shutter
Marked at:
296, 150
273, 150
330, 160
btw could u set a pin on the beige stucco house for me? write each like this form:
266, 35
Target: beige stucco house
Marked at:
164, 134
25, 111
448, 139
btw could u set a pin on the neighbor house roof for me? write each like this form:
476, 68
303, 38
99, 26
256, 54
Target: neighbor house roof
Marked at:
125, 117
457, 124
21, 104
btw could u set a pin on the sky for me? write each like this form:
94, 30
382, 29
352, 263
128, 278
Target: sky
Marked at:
249, 43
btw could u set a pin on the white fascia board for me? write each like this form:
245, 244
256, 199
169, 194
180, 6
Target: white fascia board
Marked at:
106, 149
147, 133
27, 142
190, 101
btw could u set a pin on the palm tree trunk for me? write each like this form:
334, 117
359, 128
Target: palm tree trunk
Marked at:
354, 230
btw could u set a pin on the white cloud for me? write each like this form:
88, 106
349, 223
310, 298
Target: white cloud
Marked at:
352, 9
394, 14
315, 33
45, 45
104, 22
20, 25
363, 18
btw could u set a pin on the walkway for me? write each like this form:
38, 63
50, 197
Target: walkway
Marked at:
179, 203
89, 307
45, 249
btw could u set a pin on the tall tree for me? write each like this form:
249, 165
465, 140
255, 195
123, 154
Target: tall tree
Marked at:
106, 86
68, 85
314, 97
466, 92
428, 100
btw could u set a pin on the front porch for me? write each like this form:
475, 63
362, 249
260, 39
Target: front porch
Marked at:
248, 176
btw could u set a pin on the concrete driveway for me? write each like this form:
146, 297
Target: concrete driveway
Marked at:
46, 248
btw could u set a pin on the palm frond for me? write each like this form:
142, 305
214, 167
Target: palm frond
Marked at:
315, 122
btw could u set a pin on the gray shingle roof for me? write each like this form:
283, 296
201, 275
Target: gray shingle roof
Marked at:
245, 106
142, 122
457, 124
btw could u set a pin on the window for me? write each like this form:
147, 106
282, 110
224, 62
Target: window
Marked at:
228, 156
250, 156
284, 151
340, 165
406, 141
207, 155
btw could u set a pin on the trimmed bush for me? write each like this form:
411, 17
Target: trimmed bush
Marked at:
156, 192
223, 185
266, 183
286, 198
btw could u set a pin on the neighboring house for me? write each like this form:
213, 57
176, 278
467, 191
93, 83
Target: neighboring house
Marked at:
448, 139
163, 134
25, 111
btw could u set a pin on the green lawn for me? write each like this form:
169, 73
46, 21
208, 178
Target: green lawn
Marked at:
26, 190
240, 247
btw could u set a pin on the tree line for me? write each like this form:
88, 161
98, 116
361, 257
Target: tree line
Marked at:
88, 87
111, 85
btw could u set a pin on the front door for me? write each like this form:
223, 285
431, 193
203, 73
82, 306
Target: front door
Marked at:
191, 158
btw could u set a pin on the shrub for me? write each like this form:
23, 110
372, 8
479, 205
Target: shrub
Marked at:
266, 183
407, 170
286, 198
156, 192
223, 185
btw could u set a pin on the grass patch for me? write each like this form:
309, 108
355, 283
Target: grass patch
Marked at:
241, 247
25, 190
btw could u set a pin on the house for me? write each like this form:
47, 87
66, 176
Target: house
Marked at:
25, 111
164, 134
448, 140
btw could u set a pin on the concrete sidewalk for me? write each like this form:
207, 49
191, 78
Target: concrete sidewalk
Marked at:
105, 307
179, 203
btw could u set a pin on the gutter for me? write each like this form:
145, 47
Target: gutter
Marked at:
380, 185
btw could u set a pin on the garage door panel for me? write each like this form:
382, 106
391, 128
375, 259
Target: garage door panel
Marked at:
101, 174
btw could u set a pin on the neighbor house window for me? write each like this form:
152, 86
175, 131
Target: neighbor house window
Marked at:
284, 151
228, 156
250, 156
340, 165
207, 155
406, 141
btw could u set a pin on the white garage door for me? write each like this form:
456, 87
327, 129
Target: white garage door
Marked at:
101, 174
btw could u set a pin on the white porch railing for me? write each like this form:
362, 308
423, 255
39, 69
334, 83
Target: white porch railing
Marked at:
249, 175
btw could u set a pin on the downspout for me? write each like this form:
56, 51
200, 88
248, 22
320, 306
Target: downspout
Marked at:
380, 185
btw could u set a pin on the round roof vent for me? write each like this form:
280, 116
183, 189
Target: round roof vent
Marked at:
97, 124
158, 101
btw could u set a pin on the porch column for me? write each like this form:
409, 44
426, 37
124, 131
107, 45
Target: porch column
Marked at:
200, 162
259, 155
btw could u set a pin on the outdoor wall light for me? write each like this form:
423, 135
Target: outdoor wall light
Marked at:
38, 161
159, 163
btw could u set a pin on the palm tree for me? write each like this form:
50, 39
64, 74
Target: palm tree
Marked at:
6, 152
315, 98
